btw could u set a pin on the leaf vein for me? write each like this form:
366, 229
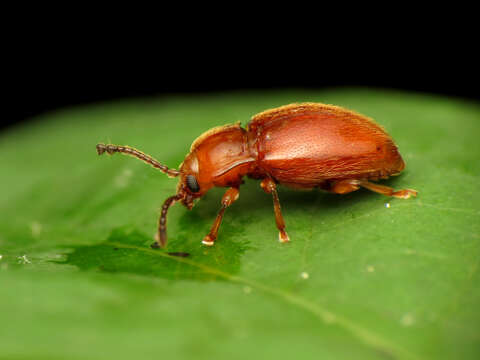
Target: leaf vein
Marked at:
368, 337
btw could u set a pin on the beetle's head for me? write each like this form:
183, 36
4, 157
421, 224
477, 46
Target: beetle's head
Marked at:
214, 160
188, 189
191, 184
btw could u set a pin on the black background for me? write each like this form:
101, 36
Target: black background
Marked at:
51, 70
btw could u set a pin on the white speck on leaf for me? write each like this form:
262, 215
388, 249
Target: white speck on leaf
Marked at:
36, 228
1, 256
387, 205
23, 260
407, 320
329, 318
304, 275
123, 179
247, 289
370, 268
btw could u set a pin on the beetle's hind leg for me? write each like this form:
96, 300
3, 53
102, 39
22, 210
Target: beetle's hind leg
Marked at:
268, 185
387, 191
346, 186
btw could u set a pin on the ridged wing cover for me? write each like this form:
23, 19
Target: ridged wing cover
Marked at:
308, 143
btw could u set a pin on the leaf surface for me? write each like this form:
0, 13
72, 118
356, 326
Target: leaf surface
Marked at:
364, 277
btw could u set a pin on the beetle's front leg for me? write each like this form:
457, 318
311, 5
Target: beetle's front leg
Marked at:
268, 185
228, 199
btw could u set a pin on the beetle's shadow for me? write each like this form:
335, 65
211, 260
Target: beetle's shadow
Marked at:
252, 197
128, 250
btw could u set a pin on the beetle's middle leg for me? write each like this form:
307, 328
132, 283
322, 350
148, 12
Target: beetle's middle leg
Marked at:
269, 186
230, 196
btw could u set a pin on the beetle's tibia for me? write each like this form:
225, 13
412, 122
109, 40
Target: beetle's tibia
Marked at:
283, 236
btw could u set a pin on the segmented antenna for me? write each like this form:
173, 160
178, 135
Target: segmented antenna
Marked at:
161, 237
110, 149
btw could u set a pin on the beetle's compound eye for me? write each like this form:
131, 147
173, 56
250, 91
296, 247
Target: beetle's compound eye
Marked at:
192, 184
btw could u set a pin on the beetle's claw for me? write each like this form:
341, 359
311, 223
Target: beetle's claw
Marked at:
405, 194
208, 240
283, 236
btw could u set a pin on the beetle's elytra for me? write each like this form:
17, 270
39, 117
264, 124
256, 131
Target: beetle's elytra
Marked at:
308, 145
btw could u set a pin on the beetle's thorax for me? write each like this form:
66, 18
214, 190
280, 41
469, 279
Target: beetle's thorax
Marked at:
219, 157
223, 156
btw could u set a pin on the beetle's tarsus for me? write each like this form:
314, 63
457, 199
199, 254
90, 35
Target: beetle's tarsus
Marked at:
405, 194
208, 241
283, 237
388, 191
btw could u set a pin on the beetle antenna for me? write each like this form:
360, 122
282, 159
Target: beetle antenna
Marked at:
161, 237
128, 150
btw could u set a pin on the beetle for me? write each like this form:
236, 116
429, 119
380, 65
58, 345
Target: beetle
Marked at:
301, 146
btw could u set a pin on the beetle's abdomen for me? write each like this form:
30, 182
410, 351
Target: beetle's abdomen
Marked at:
307, 144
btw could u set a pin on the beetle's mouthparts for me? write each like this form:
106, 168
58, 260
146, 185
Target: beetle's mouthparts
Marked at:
161, 236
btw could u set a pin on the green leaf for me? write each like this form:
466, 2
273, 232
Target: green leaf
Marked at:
364, 277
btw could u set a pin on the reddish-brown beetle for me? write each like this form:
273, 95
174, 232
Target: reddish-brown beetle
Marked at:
302, 146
